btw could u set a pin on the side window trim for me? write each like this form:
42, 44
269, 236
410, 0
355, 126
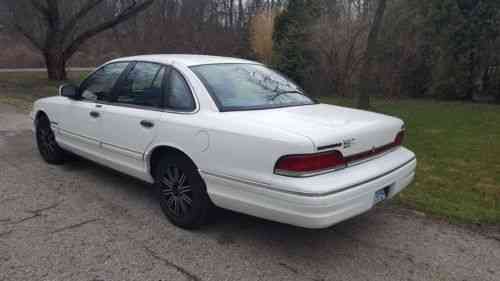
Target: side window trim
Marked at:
121, 82
91, 75
171, 72
165, 83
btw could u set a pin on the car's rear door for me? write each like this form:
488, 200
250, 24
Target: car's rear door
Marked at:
80, 127
130, 120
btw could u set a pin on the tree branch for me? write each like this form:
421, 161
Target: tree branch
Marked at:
52, 4
129, 12
54, 17
41, 8
29, 36
89, 6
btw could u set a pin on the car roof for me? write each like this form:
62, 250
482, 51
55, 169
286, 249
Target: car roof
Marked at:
187, 60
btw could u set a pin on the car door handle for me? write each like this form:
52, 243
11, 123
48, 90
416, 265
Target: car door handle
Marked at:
147, 124
94, 114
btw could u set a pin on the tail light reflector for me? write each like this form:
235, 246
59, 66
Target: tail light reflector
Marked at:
315, 164
309, 164
306, 165
399, 138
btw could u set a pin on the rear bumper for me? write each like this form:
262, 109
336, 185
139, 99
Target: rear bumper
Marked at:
312, 210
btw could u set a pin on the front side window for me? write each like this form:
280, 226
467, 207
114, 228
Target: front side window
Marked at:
142, 86
249, 86
178, 96
98, 86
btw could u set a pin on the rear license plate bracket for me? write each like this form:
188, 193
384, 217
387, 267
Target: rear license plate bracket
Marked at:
381, 195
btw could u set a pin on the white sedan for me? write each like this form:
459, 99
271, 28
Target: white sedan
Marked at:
227, 132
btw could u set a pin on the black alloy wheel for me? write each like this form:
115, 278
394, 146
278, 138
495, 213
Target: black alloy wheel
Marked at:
181, 191
46, 142
176, 191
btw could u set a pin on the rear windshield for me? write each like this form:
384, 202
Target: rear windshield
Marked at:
236, 87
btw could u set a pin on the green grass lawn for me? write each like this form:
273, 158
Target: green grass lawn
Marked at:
458, 151
22, 89
457, 145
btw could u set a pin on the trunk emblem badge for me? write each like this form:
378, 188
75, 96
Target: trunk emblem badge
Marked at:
349, 143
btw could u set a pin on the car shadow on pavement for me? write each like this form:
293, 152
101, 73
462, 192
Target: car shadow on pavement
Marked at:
380, 243
230, 229
222, 221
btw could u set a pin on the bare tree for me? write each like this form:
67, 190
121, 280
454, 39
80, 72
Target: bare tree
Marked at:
370, 55
261, 35
339, 40
58, 28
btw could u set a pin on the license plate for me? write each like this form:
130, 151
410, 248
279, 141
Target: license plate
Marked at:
381, 195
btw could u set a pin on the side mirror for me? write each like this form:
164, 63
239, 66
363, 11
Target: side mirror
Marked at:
69, 91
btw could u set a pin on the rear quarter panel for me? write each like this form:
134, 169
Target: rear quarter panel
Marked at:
245, 150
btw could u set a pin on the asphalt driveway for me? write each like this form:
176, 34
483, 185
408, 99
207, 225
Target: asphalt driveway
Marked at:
84, 222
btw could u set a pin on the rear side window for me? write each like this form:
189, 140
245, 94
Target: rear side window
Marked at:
98, 86
178, 96
142, 86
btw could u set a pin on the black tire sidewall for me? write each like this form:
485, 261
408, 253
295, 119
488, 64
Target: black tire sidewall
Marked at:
57, 157
201, 202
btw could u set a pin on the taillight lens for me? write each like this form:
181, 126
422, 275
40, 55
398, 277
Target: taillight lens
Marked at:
399, 138
314, 164
309, 164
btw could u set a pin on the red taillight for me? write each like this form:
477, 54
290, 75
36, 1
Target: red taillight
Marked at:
399, 138
315, 164
309, 164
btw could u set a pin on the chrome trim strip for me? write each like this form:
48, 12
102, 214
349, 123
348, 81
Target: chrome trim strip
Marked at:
375, 178
77, 135
237, 179
165, 110
99, 105
102, 144
305, 194
327, 171
308, 174
326, 147
372, 158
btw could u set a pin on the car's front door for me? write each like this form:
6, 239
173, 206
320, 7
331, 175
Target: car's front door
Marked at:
130, 120
81, 126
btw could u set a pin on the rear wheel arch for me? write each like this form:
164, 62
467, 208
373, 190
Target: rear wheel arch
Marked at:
180, 188
164, 150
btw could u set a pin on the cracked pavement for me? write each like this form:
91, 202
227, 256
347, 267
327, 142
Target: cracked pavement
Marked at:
81, 221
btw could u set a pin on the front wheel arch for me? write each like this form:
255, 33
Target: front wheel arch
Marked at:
39, 115
46, 141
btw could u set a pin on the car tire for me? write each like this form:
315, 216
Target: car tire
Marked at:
46, 142
181, 191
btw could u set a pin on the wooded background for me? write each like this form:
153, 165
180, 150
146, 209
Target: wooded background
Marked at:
446, 49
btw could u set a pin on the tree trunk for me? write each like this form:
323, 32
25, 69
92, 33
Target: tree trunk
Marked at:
56, 65
241, 14
231, 14
371, 49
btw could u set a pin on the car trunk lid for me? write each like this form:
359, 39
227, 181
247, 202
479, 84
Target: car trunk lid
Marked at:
348, 130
